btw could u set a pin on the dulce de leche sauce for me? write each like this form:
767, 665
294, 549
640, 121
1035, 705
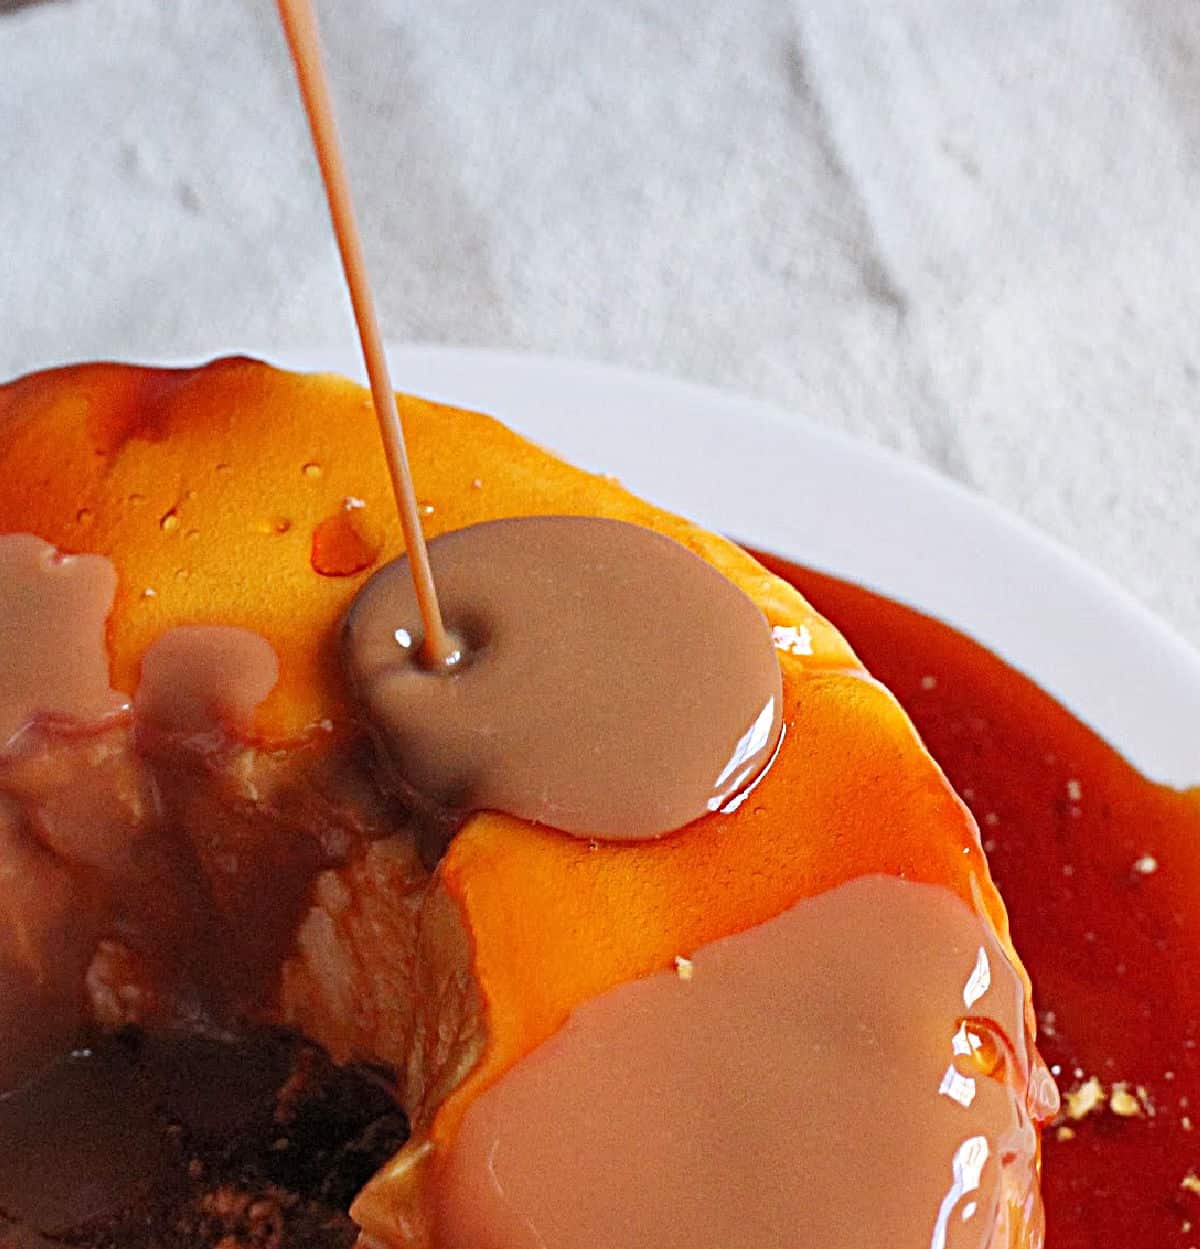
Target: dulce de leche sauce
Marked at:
95, 860
851, 1073
196, 678
612, 684
53, 670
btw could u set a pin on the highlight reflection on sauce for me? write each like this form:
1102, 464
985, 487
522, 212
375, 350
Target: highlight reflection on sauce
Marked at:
969, 1160
1100, 870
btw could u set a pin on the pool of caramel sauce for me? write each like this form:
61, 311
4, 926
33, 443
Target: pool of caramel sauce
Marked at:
1100, 869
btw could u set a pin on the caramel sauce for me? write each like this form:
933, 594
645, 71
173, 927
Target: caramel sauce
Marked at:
55, 605
1100, 872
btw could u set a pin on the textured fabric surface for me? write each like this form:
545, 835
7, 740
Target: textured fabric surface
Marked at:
967, 231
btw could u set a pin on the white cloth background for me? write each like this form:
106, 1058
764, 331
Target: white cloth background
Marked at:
968, 229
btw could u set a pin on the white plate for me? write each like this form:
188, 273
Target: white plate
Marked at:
779, 483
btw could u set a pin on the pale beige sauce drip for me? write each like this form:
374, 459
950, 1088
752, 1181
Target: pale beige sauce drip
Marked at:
204, 678
810, 1086
77, 1144
53, 661
659, 783
615, 685
300, 26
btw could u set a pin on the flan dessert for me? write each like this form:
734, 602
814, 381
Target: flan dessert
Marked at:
795, 1021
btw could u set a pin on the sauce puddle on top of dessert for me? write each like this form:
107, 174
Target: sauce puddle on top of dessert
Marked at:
1100, 872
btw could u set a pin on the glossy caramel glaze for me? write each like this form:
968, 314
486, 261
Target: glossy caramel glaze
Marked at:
1100, 869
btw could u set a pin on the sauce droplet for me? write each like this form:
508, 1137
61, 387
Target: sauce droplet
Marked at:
978, 1048
789, 1085
344, 544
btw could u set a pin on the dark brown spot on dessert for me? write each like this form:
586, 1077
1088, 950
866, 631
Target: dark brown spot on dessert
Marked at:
345, 543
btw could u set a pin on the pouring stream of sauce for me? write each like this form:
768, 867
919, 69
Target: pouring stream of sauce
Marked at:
300, 26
